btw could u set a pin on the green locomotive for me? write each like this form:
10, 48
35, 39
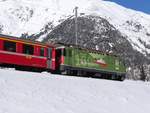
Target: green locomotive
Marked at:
84, 62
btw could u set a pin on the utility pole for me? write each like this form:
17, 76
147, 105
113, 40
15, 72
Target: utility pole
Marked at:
76, 25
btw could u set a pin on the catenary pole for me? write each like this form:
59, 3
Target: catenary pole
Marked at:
76, 25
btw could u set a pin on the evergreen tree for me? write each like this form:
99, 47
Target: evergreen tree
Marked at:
143, 74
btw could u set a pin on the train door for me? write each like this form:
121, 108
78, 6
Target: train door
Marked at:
49, 58
58, 58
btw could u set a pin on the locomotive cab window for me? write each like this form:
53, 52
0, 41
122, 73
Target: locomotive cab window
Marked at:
64, 52
28, 49
41, 51
10, 46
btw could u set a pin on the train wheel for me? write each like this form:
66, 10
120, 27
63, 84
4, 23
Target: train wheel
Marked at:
113, 77
121, 78
74, 72
68, 72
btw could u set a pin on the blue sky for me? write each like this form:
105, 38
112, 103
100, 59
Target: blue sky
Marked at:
141, 5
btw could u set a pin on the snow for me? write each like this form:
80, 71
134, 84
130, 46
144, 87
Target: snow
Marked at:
44, 11
27, 92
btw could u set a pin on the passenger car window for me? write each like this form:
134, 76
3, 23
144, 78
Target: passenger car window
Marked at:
28, 49
10, 46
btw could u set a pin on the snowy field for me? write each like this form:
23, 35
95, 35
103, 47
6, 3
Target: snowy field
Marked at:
26, 92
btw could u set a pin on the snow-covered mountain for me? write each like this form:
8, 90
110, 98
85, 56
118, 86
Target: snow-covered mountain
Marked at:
30, 16
26, 92
104, 26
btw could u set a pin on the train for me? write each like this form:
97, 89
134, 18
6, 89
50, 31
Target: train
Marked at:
59, 58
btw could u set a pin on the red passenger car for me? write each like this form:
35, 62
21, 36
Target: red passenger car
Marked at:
18, 53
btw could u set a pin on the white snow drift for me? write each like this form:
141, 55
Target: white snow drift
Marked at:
26, 92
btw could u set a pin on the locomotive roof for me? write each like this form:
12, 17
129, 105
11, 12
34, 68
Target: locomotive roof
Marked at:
26, 40
87, 49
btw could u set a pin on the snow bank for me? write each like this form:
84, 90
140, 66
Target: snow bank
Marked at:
26, 92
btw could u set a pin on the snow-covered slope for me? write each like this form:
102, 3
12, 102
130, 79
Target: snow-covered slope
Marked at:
30, 16
26, 92
21, 16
